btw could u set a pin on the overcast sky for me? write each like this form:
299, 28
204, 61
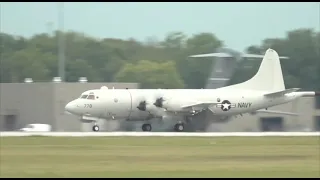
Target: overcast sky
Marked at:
237, 24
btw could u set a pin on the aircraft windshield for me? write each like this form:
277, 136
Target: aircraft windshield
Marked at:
90, 97
84, 96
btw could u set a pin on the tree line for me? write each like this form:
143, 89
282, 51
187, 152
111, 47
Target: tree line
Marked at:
153, 64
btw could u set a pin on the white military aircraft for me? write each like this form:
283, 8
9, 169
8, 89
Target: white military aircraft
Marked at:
265, 89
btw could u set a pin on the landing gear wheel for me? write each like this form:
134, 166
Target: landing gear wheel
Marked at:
179, 127
146, 127
95, 128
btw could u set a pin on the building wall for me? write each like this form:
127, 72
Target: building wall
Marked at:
30, 103
317, 114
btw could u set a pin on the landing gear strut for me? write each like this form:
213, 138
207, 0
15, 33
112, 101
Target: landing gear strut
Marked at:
179, 127
95, 128
146, 127
188, 119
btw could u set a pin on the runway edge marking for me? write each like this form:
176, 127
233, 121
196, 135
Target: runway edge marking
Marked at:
160, 134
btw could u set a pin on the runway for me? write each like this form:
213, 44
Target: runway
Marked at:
160, 134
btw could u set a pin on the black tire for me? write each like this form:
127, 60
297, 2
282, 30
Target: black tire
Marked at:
146, 127
95, 128
179, 127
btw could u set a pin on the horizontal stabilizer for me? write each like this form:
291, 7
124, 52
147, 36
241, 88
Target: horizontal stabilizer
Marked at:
223, 55
281, 93
277, 112
226, 55
252, 56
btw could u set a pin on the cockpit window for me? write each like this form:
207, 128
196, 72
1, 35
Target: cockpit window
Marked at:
90, 97
84, 96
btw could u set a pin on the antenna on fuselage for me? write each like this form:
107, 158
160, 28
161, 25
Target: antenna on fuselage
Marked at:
104, 87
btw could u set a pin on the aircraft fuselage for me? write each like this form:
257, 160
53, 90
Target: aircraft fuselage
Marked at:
123, 103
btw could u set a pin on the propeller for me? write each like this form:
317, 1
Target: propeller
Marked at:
142, 106
159, 102
147, 105
153, 110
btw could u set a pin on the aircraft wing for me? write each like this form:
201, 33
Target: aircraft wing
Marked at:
281, 93
202, 105
222, 55
276, 112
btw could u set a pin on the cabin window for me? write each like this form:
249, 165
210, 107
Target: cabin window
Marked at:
84, 96
91, 97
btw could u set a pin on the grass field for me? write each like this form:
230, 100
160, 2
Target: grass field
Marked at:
160, 157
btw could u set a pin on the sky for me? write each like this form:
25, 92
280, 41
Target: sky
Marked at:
237, 24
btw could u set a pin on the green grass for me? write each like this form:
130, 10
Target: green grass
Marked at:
159, 157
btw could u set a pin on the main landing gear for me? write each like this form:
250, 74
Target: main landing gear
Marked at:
95, 128
146, 127
179, 127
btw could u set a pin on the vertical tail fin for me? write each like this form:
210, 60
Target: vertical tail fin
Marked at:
269, 76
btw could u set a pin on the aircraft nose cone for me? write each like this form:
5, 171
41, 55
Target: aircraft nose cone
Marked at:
70, 107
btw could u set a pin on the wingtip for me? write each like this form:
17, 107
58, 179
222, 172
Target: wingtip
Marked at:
317, 93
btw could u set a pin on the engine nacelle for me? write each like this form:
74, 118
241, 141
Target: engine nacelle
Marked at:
159, 103
147, 106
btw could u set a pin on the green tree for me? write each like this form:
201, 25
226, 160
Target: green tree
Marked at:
151, 74
103, 59
195, 72
80, 68
27, 63
175, 41
302, 47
